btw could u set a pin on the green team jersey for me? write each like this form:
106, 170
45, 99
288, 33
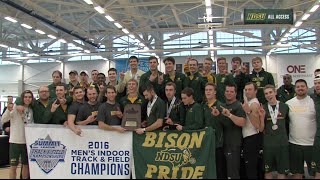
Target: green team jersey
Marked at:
261, 79
176, 110
232, 133
215, 122
158, 111
57, 117
222, 81
193, 117
179, 80
278, 137
285, 94
197, 83
144, 81
39, 110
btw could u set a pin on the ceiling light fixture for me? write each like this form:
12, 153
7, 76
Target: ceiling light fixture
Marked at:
11, 19
109, 18
52, 36
88, 1
26, 26
39, 31
118, 25
99, 9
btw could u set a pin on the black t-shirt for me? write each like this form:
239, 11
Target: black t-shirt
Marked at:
74, 108
87, 110
232, 132
107, 114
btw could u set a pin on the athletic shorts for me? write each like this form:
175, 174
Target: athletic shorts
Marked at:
17, 151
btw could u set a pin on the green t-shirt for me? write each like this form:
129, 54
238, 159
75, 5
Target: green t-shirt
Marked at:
176, 110
232, 133
144, 81
158, 111
193, 117
215, 122
39, 110
278, 137
57, 117
179, 80
197, 83
222, 81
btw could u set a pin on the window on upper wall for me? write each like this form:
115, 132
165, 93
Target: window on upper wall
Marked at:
298, 39
239, 40
177, 40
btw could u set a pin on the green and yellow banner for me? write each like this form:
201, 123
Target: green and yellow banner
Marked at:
175, 155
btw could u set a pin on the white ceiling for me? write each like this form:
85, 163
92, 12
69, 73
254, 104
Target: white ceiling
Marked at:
147, 20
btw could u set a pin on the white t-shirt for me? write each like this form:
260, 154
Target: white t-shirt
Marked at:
303, 124
17, 124
249, 129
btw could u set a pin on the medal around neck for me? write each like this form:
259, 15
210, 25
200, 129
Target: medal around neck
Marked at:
132, 117
274, 127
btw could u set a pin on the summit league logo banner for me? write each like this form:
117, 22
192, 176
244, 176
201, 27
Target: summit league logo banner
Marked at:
55, 152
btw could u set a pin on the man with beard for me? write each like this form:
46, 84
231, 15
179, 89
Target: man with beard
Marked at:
287, 90
41, 105
109, 113
153, 77
88, 113
155, 110
195, 81
302, 129
174, 107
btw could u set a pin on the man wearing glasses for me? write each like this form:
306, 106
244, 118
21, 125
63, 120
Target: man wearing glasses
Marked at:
40, 105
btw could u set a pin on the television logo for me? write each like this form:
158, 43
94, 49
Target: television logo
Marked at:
296, 69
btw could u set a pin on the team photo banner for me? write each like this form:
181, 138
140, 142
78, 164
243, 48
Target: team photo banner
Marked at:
55, 152
175, 155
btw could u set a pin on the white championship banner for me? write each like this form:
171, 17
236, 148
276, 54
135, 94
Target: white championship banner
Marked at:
55, 152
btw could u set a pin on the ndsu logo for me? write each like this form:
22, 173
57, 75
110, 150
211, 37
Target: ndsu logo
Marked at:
176, 156
47, 153
296, 69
